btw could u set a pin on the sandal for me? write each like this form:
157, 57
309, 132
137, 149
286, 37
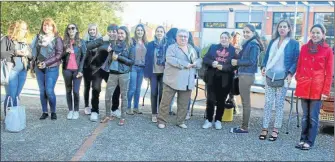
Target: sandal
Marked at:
121, 122
105, 119
263, 136
299, 145
273, 138
305, 146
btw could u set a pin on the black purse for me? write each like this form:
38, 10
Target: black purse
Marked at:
235, 90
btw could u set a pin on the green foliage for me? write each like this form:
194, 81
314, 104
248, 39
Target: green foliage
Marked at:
63, 13
204, 50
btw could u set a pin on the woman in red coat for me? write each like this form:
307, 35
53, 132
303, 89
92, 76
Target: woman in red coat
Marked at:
314, 78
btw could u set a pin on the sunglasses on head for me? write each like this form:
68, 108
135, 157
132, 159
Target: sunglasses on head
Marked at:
69, 28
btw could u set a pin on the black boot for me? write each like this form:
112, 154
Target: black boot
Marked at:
44, 116
53, 116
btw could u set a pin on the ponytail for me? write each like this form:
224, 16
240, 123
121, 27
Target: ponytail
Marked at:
257, 37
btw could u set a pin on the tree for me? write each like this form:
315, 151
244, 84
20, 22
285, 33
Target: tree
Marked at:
63, 13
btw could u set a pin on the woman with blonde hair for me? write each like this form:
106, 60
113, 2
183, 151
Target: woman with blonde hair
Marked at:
16, 51
47, 50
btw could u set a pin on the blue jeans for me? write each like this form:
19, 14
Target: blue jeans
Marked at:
15, 86
72, 85
135, 84
46, 79
310, 120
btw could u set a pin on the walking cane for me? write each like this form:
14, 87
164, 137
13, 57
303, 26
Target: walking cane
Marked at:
146, 92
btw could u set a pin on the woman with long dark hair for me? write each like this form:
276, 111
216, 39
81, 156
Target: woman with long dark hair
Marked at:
247, 67
47, 50
139, 42
154, 69
280, 60
122, 60
73, 62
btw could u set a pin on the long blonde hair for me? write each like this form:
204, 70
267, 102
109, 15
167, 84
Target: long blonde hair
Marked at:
15, 29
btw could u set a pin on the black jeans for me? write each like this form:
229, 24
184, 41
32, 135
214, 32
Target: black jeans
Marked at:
156, 86
115, 98
96, 88
72, 83
87, 74
220, 93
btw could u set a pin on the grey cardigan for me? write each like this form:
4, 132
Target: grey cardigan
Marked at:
176, 74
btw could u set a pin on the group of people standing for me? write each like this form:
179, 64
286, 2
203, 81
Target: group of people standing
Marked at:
170, 62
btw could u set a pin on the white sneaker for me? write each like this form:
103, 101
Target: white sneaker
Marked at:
94, 117
87, 110
116, 113
207, 124
188, 116
182, 126
218, 125
154, 118
161, 126
70, 115
75, 115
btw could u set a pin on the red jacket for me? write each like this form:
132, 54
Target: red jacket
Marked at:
314, 72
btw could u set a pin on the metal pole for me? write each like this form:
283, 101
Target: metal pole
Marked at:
249, 14
264, 20
201, 27
295, 19
306, 25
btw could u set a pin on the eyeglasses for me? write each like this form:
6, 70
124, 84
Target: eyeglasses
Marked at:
183, 36
69, 28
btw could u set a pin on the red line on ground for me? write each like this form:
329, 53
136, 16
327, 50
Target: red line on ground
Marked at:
88, 143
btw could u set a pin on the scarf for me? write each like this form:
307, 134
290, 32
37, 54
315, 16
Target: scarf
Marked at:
45, 40
119, 47
274, 54
160, 54
313, 47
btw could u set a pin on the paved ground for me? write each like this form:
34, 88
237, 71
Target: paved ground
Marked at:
139, 139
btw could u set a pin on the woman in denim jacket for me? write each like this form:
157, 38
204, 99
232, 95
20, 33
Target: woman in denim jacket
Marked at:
73, 62
122, 59
281, 57
155, 61
247, 67
16, 51
137, 70
47, 50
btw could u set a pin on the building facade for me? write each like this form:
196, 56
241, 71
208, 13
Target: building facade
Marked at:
214, 18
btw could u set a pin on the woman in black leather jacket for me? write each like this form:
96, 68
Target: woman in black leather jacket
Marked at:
73, 62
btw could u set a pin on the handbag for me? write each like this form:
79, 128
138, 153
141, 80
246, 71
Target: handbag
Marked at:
275, 79
15, 117
235, 90
202, 72
6, 68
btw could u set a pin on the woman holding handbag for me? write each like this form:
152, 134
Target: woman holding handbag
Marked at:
314, 77
280, 60
17, 53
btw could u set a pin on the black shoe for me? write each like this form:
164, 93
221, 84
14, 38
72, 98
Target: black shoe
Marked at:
44, 116
53, 116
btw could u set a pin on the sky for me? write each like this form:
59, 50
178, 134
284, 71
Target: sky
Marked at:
179, 14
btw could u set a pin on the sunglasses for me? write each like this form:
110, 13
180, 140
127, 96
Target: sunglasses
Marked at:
69, 28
